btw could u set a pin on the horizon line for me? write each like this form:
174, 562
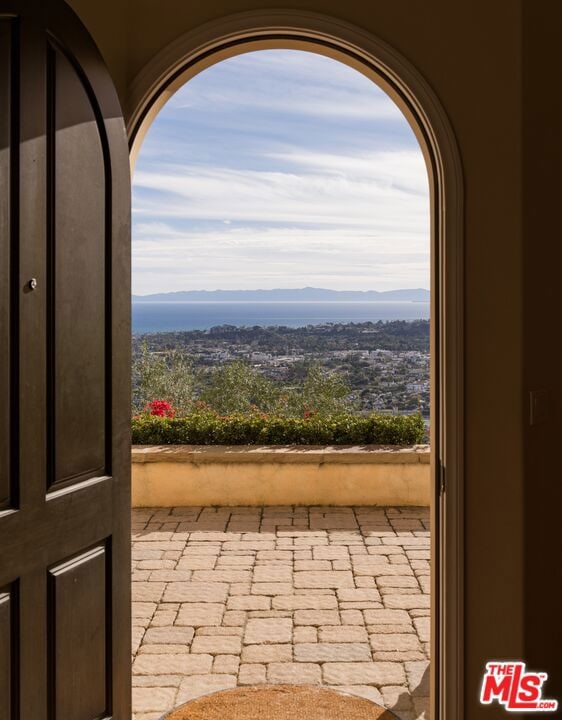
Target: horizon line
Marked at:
277, 289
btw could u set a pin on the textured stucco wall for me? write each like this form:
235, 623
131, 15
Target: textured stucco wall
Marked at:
192, 476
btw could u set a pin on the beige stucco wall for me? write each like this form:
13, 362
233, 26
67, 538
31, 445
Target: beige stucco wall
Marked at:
168, 476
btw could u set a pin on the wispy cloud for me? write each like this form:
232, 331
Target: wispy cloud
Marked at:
384, 191
289, 83
280, 168
255, 257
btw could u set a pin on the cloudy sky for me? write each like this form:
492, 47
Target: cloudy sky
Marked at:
280, 168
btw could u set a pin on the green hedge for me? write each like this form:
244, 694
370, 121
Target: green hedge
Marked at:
211, 429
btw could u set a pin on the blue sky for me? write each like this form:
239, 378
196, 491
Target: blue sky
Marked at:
280, 168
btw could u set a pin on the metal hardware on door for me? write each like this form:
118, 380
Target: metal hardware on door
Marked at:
32, 284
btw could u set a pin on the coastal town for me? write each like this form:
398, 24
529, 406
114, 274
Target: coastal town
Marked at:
384, 364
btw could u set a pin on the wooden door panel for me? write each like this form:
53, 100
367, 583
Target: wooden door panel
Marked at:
76, 282
83, 517
64, 373
8, 608
78, 636
7, 398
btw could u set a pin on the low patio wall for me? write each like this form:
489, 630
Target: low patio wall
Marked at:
192, 475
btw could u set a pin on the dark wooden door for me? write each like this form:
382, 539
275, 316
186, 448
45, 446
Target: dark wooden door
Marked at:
64, 373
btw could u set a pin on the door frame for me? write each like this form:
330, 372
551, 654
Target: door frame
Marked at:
291, 29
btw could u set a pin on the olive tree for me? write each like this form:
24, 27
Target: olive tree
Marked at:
237, 387
163, 376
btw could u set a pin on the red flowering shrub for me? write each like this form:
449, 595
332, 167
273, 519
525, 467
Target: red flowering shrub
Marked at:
161, 408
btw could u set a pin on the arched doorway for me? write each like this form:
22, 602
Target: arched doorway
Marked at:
196, 51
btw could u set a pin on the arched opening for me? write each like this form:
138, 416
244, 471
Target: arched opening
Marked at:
388, 70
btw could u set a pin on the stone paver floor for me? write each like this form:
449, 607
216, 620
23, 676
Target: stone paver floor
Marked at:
322, 595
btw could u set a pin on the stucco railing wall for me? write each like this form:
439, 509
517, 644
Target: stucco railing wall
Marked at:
193, 475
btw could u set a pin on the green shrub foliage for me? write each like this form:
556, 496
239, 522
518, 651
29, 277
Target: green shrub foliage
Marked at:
235, 387
163, 376
235, 404
206, 427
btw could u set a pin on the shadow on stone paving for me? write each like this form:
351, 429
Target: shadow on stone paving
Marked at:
413, 705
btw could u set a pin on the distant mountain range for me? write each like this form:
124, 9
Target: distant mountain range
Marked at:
288, 295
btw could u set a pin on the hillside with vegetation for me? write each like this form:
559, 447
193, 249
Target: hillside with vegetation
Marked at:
353, 367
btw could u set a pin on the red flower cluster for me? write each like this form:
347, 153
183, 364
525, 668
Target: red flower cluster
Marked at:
162, 408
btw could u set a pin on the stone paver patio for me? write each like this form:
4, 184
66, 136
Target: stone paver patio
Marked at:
240, 596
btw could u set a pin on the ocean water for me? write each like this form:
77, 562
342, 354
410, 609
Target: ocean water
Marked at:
173, 316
